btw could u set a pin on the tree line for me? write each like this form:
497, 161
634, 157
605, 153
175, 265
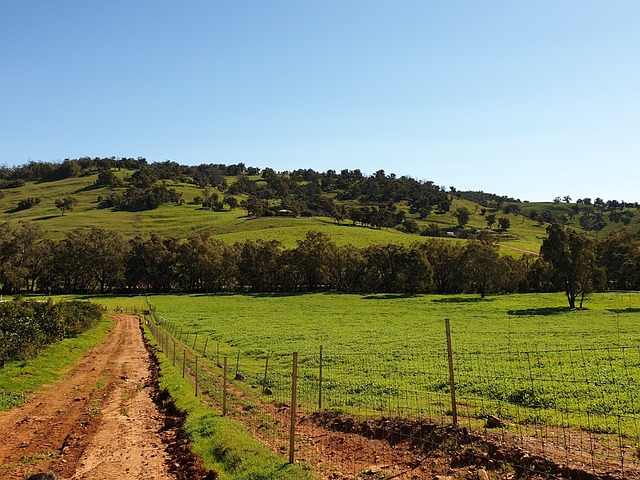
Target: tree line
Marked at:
89, 260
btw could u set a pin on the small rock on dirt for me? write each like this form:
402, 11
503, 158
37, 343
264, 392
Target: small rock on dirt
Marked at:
482, 474
493, 422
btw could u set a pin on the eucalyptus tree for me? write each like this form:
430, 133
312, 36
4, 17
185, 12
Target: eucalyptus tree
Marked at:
150, 264
445, 258
481, 268
572, 256
619, 254
311, 259
106, 251
396, 268
205, 264
18, 249
346, 267
258, 264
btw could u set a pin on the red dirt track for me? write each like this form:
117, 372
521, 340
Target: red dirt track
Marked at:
99, 422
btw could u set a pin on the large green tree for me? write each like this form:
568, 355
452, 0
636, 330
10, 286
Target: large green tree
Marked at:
18, 245
572, 256
483, 272
311, 257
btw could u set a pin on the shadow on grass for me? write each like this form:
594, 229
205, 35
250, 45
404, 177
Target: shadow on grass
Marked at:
463, 300
390, 296
46, 217
546, 311
624, 310
250, 294
91, 187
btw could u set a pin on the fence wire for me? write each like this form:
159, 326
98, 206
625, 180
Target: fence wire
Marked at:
562, 413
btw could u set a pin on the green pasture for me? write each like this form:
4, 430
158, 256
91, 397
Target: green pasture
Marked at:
527, 358
347, 323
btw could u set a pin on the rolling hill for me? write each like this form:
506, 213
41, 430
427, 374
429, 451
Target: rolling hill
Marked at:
178, 218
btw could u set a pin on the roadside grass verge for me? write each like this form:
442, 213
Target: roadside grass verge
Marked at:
20, 378
224, 445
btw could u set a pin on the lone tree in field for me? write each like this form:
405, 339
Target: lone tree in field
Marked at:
572, 256
66, 204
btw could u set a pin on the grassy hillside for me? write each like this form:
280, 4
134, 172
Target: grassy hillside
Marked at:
234, 225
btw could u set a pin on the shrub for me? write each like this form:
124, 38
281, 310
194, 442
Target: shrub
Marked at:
27, 327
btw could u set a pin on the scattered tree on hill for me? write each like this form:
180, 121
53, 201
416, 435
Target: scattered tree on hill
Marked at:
504, 223
410, 226
491, 219
231, 201
255, 206
65, 204
463, 215
28, 203
595, 222
106, 178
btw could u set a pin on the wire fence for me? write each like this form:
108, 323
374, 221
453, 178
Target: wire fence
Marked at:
566, 413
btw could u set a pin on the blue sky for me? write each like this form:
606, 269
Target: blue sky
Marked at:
527, 99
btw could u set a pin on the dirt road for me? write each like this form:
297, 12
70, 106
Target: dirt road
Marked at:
98, 423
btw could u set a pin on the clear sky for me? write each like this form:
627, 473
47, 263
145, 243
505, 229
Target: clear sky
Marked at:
531, 99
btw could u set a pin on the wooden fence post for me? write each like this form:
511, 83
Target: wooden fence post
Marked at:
320, 382
196, 375
204, 350
237, 365
195, 340
184, 361
294, 401
452, 383
224, 388
266, 367
174, 352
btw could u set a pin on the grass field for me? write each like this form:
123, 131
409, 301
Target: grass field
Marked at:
367, 324
526, 358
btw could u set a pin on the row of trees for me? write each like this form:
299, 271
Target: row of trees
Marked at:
27, 327
97, 260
